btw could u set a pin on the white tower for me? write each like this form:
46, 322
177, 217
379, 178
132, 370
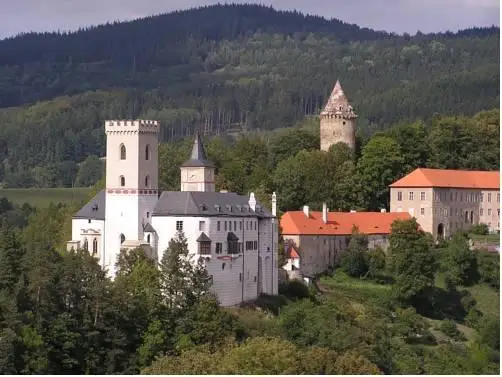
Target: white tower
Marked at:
197, 174
131, 183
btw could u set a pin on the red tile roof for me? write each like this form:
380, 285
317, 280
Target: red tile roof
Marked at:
450, 178
339, 223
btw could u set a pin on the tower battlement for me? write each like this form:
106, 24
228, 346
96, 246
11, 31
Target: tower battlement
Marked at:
129, 125
348, 114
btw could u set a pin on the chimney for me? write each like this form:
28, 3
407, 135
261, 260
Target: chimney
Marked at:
383, 210
252, 202
274, 204
324, 213
306, 211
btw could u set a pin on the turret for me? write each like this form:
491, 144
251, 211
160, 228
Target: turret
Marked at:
197, 173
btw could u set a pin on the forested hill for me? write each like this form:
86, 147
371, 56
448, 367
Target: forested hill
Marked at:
228, 67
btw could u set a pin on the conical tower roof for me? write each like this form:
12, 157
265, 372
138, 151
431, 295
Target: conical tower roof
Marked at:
198, 157
338, 103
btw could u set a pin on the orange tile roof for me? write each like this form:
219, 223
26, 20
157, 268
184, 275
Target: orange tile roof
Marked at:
339, 223
450, 178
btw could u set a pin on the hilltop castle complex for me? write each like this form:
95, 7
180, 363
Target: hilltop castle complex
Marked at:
234, 234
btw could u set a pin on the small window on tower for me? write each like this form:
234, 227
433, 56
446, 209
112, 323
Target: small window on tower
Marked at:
147, 152
147, 181
179, 225
122, 239
122, 181
94, 246
122, 152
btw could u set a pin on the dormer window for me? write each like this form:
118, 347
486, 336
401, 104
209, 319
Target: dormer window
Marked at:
217, 207
229, 208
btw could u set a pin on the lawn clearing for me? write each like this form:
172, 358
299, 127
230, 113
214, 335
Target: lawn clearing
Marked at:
42, 197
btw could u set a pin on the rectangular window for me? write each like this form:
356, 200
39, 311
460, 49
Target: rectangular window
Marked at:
229, 226
240, 225
256, 245
235, 225
498, 212
219, 248
205, 248
179, 225
233, 247
456, 196
481, 196
202, 226
410, 195
218, 226
498, 197
422, 195
489, 211
225, 226
422, 211
399, 196
489, 197
456, 211
481, 212
451, 211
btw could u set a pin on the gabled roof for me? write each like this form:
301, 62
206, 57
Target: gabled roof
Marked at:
203, 238
200, 203
148, 228
291, 251
468, 179
339, 223
198, 157
232, 237
94, 209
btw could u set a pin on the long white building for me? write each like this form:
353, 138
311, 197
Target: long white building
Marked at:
234, 234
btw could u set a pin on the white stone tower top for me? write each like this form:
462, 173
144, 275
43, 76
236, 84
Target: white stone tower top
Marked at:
338, 105
134, 126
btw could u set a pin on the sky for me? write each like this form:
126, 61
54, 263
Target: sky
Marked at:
398, 16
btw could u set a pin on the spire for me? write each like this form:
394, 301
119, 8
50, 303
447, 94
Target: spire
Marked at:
338, 103
198, 157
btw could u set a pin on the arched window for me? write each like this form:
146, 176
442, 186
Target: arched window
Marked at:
122, 181
86, 244
148, 238
122, 239
147, 152
122, 152
223, 266
94, 246
147, 181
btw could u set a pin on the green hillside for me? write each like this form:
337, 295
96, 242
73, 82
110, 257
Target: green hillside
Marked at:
226, 68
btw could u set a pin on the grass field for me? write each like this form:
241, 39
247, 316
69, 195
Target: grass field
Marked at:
489, 238
43, 197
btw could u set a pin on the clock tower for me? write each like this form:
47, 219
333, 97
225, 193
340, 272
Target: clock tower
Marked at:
197, 174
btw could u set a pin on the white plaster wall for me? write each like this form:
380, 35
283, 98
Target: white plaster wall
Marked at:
236, 282
79, 225
197, 179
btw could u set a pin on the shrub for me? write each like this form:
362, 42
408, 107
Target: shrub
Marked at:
473, 318
295, 290
449, 328
489, 268
480, 229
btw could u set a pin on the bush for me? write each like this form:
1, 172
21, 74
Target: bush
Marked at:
473, 318
376, 260
468, 302
489, 332
480, 229
489, 268
295, 290
449, 328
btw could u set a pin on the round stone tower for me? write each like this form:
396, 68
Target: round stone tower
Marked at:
338, 121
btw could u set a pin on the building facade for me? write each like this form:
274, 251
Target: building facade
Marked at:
447, 201
319, 239
338, 121
234, 234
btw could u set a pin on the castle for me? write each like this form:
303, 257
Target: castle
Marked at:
234, 234
338, 121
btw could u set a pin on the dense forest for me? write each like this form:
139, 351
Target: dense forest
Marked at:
221, 69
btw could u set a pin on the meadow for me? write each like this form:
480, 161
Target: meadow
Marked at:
42, 197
